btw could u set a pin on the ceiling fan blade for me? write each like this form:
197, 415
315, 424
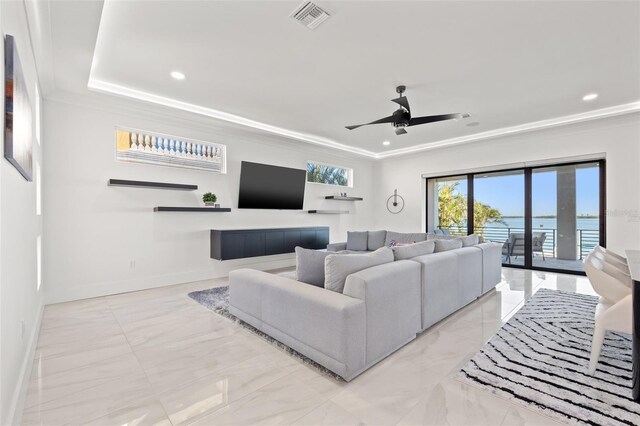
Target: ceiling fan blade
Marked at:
390, 119
400, 131
403, 102
434, 118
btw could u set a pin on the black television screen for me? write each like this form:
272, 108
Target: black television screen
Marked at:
271, 187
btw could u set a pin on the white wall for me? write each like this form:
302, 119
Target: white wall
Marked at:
95, 232
20, 301
618, 138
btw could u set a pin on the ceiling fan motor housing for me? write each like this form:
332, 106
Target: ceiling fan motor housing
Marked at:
402, 117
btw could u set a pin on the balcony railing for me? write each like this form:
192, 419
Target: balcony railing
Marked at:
586, 239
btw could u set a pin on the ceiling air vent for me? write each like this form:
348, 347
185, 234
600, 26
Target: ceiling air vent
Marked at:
310, 15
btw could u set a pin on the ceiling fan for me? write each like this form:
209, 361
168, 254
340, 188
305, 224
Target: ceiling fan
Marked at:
401, 117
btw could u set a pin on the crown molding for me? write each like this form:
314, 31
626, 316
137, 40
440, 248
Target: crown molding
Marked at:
126, 92
116, 89
597, 114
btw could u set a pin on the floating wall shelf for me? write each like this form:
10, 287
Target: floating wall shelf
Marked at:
192, 209
154, 185
329, 211
339, 198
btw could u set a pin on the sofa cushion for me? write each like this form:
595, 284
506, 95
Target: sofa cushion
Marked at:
338, 267
440, 237
404, 237
446, 245
310, 266
357, 240
410, 251
470, 240
376, 240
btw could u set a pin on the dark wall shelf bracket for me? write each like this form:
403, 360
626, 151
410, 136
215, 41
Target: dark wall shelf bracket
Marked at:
329, 211
153, 185
336, 197
192, 209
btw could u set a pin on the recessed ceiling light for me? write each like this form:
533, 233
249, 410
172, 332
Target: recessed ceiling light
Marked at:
590, 97
177, 75
386, 143
473, 124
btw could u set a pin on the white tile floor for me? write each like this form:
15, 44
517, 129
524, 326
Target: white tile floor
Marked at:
157, 357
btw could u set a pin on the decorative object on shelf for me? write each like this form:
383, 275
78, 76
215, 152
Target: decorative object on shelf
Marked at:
210, 199
18, 133
395, 203
146, 147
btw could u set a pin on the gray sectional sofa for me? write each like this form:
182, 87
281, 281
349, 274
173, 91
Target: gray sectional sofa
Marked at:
380, 308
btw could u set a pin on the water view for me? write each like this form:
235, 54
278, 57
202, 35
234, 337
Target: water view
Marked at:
564, 211
591, 223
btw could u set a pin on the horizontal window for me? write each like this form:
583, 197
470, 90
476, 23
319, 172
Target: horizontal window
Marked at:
329, 175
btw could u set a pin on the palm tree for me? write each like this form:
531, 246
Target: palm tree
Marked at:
327, 174
452, 211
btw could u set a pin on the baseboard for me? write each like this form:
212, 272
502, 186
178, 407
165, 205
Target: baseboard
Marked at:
20, 392
68, 294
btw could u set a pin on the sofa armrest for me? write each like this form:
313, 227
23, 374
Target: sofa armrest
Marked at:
392, 294
491, 265
309, 317
336, 246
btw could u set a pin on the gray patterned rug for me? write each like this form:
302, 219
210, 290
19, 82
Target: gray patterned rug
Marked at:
217, 300
540, 358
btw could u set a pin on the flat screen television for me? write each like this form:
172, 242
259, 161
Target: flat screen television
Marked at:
263, 186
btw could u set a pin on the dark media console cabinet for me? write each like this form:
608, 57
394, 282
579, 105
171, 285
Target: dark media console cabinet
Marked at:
241, 243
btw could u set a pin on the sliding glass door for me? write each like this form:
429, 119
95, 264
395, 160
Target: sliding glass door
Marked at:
545, 217
449, 204
498, 211
566, 214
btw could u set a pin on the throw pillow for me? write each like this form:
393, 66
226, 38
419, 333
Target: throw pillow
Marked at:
376, 239
338, 267
310, 266
404, 237
470, 240
445, 245
357, 240
410, 251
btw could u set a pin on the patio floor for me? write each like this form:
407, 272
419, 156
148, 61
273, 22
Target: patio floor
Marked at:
548, 262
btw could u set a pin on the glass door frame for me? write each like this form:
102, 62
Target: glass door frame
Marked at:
528, 207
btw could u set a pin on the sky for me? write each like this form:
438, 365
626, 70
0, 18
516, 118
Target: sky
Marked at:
506, 193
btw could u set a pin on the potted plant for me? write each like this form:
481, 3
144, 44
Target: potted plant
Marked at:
209, 199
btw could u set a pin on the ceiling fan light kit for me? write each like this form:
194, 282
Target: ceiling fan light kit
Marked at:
401, 117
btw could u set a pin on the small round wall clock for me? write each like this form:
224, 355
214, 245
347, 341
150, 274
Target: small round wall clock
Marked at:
395, 203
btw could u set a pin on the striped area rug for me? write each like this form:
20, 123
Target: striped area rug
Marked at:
540, 358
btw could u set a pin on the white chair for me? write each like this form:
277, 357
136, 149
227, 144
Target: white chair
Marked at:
617, 318
612, 254
611, 258
609, 282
